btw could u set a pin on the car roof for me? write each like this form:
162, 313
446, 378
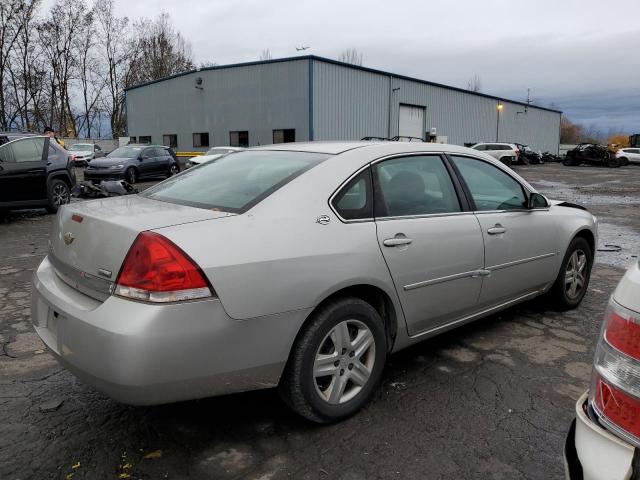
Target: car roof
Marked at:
143, 145
335, 148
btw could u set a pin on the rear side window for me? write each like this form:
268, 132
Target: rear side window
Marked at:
355, 200
416, 185
237, 182
490, 187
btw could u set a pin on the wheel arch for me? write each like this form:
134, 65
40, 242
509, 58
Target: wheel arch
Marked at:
588, 235
374, 295
59, 175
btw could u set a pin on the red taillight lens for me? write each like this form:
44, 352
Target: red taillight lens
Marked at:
157, 270
617, 407
622, 333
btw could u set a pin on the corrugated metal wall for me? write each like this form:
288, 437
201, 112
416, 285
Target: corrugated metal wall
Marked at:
350, 104
258, 98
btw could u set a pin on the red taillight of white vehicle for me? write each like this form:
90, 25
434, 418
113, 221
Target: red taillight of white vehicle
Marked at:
615, 392
157, 270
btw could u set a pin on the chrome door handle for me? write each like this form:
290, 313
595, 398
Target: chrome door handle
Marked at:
496, 229
395, 242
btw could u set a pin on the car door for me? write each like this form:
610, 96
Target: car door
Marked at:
23, 170
520, 244
163, 158
147, 162
431, 243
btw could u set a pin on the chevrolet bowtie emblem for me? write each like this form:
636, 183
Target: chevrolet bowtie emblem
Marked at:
68, 238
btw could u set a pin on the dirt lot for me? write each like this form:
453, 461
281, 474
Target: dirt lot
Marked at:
490, 400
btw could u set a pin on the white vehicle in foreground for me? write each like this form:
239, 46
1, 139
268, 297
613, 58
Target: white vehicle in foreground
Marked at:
211, 154
606, 434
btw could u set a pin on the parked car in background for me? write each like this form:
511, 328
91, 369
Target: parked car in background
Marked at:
591, 153
83, 153
274, 266
507, 153
34, 172
132, 163
604, 436
212, 154
628, 155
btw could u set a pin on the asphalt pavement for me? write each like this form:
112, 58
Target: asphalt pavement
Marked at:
491, 400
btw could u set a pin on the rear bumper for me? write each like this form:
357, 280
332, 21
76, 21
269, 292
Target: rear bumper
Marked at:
593, 453
144, 354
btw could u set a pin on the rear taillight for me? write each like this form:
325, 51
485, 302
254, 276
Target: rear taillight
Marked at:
157, 270
615, 392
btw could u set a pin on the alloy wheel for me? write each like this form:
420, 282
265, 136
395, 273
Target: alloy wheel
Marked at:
575, 278
60, 195
344, 361
173, 170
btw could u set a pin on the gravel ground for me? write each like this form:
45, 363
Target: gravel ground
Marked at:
491, 400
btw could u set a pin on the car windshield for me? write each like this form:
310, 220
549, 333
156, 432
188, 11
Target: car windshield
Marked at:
236, 182
125, 152
218, 151
81, 147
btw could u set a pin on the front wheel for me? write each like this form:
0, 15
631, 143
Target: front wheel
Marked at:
336, 362
572, 282
58, 194
131, 175
613, 162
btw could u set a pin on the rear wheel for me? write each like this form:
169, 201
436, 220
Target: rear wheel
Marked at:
336, 362
173, 170
573, 280
613, 162
58, 194
131, 175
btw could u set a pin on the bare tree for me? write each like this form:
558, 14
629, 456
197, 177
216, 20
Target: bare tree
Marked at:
351, 56
266, 54
474, 84
162, 50
9, 31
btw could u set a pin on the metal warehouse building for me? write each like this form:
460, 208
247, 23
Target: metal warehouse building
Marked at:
313, 98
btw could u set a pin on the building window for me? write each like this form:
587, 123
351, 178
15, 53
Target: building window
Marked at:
132, 139
143, 138
201, 139
284, 136
239, 139
170, 140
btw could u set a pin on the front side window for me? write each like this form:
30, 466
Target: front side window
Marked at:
286, 135
417, 185
481, 148
237, 182
239, 139
25, 150
170, 140
201, 139
490, 187
355, 200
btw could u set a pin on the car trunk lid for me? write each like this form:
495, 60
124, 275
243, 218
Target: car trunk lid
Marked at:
89, 240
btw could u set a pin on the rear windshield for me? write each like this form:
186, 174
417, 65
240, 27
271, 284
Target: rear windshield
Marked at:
236, 182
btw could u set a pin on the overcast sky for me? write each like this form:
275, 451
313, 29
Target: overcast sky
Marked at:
581, 55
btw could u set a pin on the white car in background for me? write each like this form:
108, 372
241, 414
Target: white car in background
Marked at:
211, 154
83, 153
631, 155
606, 433
507, 153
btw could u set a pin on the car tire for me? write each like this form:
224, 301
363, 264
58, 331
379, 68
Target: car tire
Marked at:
131, 175
624, 161
58, 194
354, 367
573, 275
613, 162
174, 169
508, 161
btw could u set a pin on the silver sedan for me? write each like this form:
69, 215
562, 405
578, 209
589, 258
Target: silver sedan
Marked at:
300, 266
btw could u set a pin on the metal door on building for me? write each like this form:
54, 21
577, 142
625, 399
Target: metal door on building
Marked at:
411, 121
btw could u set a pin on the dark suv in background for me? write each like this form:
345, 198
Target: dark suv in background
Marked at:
132, 163
34, 172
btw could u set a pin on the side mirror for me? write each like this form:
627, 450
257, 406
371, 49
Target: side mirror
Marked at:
537, 201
